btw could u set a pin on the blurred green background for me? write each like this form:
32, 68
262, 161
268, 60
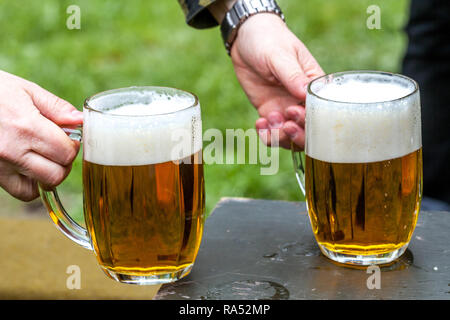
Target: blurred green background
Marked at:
146, 42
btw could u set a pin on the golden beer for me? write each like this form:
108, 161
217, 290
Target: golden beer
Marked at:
361, 171
145, 219
143, 185
364, 208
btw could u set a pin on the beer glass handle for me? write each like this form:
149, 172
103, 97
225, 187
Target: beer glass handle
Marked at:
58, 214
298, 158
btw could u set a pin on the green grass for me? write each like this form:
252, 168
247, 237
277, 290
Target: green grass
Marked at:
142, 42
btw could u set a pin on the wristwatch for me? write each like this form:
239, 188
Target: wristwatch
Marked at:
241, 11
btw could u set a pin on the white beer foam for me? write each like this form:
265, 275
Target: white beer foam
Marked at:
154, 108
355, 91
363, 123
166, 129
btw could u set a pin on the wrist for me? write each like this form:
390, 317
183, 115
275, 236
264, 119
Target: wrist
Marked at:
241, 11
250, 35
260, 21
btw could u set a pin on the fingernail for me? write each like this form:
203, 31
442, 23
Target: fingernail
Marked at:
290, 131
274, 121
77, 114
294, 115
276, 125
305, 87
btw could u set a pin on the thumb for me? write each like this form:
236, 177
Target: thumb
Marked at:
288, 71
52, 107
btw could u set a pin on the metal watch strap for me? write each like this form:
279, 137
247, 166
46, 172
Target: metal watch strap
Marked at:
241, 11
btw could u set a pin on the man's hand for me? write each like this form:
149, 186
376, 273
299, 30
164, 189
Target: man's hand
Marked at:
33, 148
274, 68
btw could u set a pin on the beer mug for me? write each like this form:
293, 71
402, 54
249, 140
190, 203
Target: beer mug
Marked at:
143, 186
361, 171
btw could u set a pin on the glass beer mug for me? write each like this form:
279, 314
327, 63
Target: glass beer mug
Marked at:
361, 171
143, 186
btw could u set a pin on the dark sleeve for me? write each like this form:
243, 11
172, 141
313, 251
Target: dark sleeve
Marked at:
428, 29
197, 15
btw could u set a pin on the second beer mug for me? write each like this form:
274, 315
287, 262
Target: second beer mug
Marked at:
362, 167
143, 187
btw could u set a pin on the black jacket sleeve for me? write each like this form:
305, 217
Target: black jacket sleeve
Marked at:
197, 15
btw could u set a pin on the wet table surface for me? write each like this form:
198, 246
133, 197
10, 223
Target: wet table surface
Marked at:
261, 249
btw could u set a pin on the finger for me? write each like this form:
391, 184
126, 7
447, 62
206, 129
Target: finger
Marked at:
21, 187
296, 114
272, 136
52, 107
50, 141
44, 171
288, 71
309, 64
33, 132
262, 126
295, 133
275, 119
17, 185
278, 99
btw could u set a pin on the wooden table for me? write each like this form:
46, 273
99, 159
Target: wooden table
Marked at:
252, 249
